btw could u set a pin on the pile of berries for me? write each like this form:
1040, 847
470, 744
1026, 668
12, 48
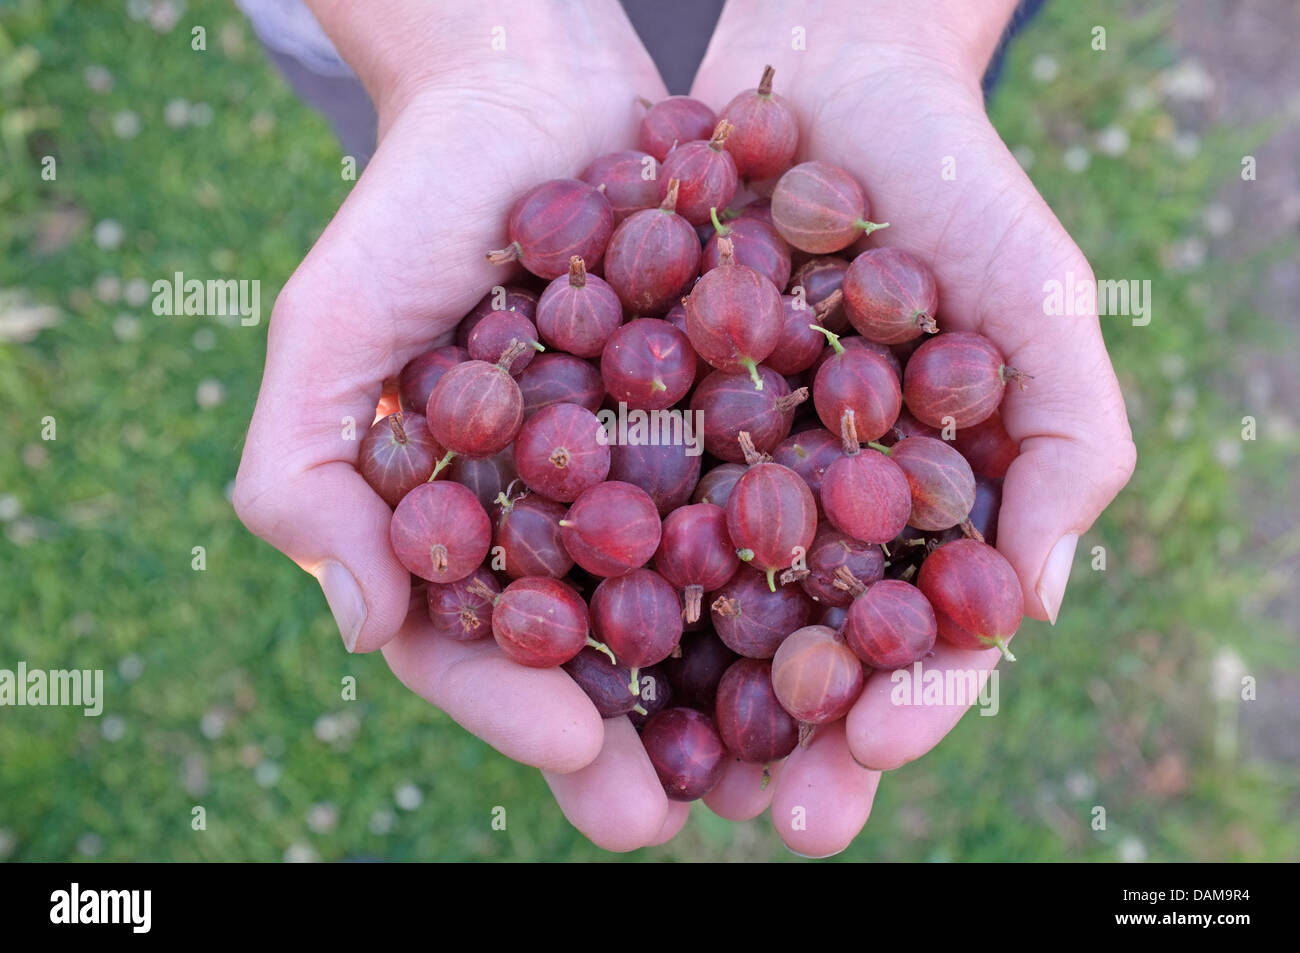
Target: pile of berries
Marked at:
810, 487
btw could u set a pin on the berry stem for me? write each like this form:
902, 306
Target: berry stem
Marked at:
832, 338
765, 84
753, 369
845, 581
849, 433
577, 272
726, 252
669, 204
602, 647
694, 596
640, 709
869, 227
792, 400
1008, 374
881, 447
503, 256
720, 133
970, 532
722, 230
442, 464
1001, 645
827, 305
725, 607
479, 588
634, 683
752, 456
771, 580
399, 430
510, 354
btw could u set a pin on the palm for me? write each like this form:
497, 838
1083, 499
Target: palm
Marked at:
917, 138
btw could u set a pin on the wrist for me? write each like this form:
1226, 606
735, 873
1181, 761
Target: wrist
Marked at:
953, 37
412, 45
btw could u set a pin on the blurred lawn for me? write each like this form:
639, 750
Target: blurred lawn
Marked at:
224, 686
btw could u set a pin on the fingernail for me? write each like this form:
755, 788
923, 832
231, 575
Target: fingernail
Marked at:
1056, 573
345, 601
815, 856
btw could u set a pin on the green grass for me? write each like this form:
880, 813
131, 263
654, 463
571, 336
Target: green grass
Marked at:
225, 687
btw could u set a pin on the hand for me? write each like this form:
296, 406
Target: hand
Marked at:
464, 129
889, 100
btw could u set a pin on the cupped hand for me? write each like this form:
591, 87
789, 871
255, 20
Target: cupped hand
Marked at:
463, 132
908, 121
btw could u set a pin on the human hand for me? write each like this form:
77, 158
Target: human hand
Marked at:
890, 97
464, 129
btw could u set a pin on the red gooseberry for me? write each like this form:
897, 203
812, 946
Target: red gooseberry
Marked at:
647, 364
707, 174
751, 721
527, 536
752, 620
476, 408
459, 613
734, 316
890, 296
577, 313
819, 208
540, 622
440, 531
553, 222
816, 676
686, 751
611, 529
396, 455
771, 514
630, 179
653, 255
975, 593
939, 479
956, 379
671, 121
695, 553
767, 131
561, 450
860, 380
890, 624
864, 493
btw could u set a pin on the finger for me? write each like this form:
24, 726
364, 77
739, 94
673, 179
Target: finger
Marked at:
616, 801
297, 485
743, 792
679, 812
341, 325
823, 797
535, 716
903, 714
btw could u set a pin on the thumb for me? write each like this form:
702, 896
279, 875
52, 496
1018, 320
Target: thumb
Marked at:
1076, 454
297, 485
